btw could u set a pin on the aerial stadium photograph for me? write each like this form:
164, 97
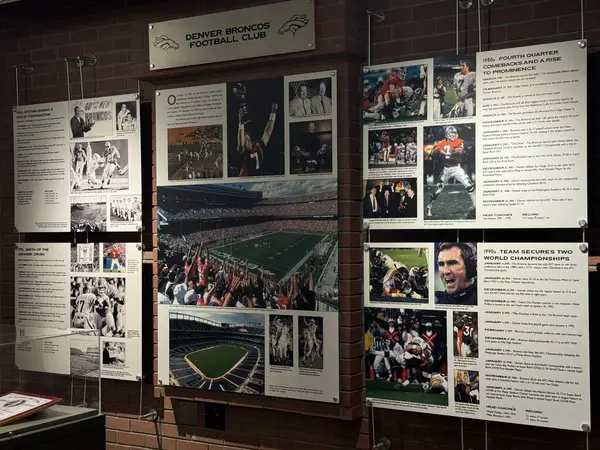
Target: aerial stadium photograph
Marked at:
217, 351
250, 245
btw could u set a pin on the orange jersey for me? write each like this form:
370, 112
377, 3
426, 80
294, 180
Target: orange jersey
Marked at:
450, 152
392, 80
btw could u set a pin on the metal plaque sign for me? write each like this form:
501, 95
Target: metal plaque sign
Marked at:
273, 29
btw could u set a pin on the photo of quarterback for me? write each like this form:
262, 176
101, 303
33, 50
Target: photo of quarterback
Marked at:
454, 87
98, 304
398, 275
456, 273
406, 355
465, 334
99, 165
255, 128
392, 147
449, 172
395, 94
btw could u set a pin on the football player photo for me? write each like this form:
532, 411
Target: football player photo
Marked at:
395, 94
195, 153
310, 342
406, 355
392, 148
454, 87
449, 172
465, 334
281, 341
466, 386
311, 147
399, 275
456, 273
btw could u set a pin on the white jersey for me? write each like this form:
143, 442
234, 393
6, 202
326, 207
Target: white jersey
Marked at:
464, 84
411, 147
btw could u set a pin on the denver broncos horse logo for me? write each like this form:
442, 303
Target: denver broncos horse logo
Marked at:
295, 22
165, 43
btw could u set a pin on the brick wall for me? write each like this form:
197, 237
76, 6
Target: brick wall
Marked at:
116, 30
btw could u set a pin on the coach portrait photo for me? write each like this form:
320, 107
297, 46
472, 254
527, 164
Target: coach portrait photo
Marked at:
457, 268
78, 125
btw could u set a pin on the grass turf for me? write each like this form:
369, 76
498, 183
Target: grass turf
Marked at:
411, 393
277, 252
407, 256
216, 361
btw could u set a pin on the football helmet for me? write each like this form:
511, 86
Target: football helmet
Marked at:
451, 133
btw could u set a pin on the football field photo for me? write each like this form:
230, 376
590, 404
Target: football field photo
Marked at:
217, 351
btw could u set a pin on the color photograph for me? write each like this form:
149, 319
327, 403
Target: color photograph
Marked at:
456, 273
399, 275
388, 199
114, 258
466, 336
454, 87
217, 351
406, 355
466, 386
195, 153
392, 147
255, 128
395, 94
449, 172
249, 245
311, 147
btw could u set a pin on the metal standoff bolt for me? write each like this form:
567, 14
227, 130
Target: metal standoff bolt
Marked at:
139, 246
369, 402
366, 69
333, 73
585, 427
15, 229
366, 247
138, 378
582, 223
335, 399
14, 108
366, 226
16, 246
136, 96
157, 93
383, 444
581, 44
583, 248
152, 66
310, 45
151, 27
160, 381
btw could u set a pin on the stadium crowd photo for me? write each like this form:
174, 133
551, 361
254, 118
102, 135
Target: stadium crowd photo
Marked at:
257, 246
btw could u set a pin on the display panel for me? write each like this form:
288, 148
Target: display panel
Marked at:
248, 237
78, 165
492, 140
90, 288
493, 331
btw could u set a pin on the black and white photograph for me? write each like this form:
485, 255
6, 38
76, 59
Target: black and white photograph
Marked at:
255, 128
88, 214
449, 172
114, 354
281, 340
399, 275
310, 98
127, 115
387, 199
91, 118
85, 357
270, 244
99, 165
217, 351
98, 303
125, 209
465, 334
466, 386
85, 257
311, 147
195, 153
114, 257
456, 273
310, 342
395, 94
454, 87
392, 148
406, 355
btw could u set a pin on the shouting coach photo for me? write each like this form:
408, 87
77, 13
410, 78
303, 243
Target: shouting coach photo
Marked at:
457, 269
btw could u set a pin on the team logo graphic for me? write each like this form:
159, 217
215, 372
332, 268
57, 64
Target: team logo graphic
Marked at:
295, 22
165, 43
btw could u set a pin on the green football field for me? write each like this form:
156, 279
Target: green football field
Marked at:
412, 393
277, 252
407, 256
216, 361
